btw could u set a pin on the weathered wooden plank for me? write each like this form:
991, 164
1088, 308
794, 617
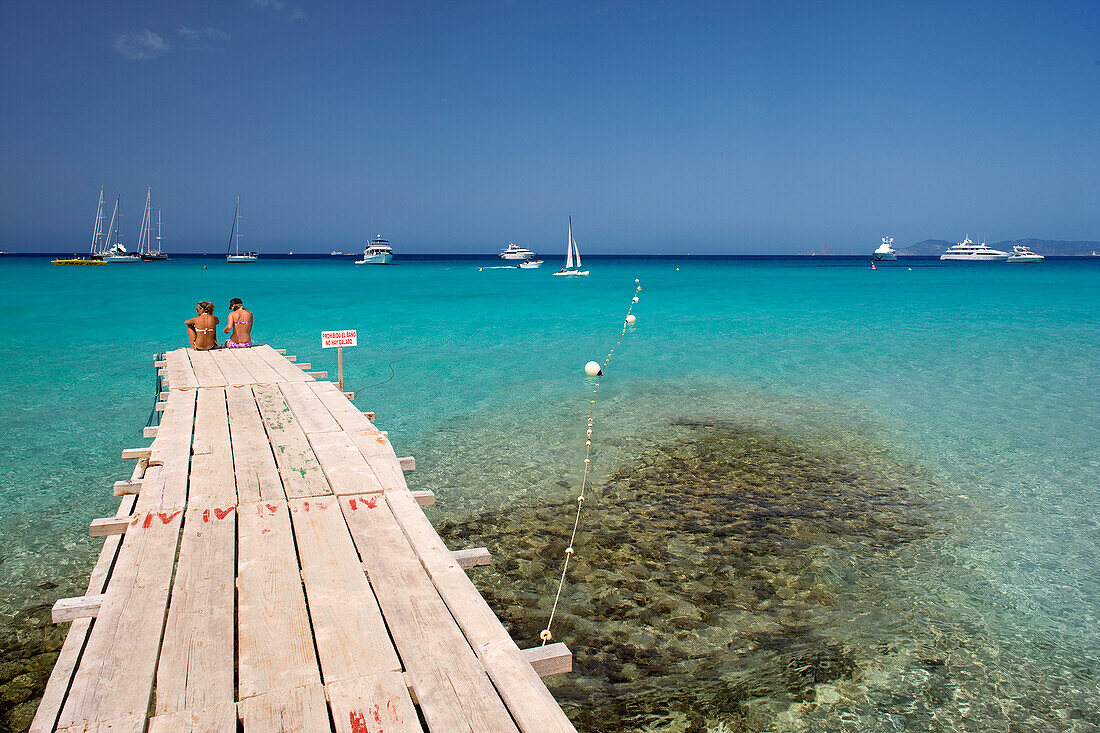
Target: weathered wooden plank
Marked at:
351, 636
298, 467
301, 365
349, 418
161, 406
107, 526
127, 724
126, 488
302, 710
49, 708
172, 450
275, 643
453, 692
279, 351
472, 558
150, 431
380, 702
408, 463
219, 719
550, 659
234, 371
196, 665
132, 454
261, 372
115, 677
70, 609
206, 370
254, 465
308, 409
376, 448
344, 466
287, 372
180, 374
424, 498
317, 375
527, 698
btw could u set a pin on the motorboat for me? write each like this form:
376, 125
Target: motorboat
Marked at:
1020, 253
885, 251
515, 252
530, 264
378, 252
967, 250
572, 256
233, 252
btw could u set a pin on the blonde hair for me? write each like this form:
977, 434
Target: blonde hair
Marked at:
205, 306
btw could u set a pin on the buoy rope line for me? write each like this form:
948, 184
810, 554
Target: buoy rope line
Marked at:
545, 634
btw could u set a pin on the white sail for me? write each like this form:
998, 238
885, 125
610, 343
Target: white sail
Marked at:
569, 247
107, 244
576, 252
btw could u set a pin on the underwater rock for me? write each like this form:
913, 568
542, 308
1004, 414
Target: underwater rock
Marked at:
702, 576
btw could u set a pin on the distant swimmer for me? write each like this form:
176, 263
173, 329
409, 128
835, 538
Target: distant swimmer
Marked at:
239, 324
202, 329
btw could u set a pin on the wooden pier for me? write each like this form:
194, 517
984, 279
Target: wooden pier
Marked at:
269, 568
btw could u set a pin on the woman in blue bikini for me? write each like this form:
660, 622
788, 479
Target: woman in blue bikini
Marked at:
239, 324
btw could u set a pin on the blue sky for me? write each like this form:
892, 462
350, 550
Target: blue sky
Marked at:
673, 127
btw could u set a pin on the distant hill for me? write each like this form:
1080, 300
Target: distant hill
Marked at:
1041, 246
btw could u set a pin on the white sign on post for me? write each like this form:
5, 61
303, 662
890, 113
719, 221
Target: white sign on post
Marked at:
330, 339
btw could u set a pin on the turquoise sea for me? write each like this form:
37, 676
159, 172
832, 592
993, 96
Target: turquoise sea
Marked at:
826, 498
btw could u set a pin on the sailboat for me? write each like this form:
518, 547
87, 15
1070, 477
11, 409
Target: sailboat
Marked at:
97, 248
114, 251
572, 256
235, 240
145, 240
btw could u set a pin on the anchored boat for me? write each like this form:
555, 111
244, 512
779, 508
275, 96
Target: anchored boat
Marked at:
378, 252
572, 256
235, 240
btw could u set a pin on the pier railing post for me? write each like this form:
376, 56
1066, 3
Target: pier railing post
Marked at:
340, 366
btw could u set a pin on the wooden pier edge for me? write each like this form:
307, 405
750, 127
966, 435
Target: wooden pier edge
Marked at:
137, 659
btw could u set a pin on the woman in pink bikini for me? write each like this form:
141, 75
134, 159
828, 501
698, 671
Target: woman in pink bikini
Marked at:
239, 324
202, 329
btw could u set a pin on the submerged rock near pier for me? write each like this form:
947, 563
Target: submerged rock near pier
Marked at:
709, 579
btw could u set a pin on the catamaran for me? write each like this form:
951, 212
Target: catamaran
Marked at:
572, 256
235, 240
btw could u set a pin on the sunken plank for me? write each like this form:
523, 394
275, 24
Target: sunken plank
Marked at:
179, 371
206, 369
261, 371
219, 719
49, 708
518, 684
310, 411
275, 643
115, 678
256, 473
351, 636
379, 702
300, 471
196, 660
287, 372
296, 711
453, 691
231, 367
344, 466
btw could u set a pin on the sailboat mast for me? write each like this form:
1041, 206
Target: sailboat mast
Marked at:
97, 229
143, 234
112, 227
569, 248
158, 231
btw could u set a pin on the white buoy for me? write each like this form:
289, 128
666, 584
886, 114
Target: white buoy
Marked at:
592, 368
635, 299
631, 318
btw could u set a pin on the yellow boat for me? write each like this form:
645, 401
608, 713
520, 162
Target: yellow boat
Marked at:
79, 261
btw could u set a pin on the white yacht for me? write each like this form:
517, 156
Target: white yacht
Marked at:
1020, 253
378, 252
885, 250
967, 250
515, 252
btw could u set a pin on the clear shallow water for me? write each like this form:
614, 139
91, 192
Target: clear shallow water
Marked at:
969, 391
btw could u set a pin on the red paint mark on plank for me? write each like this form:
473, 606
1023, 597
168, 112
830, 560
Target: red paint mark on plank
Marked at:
222, 513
